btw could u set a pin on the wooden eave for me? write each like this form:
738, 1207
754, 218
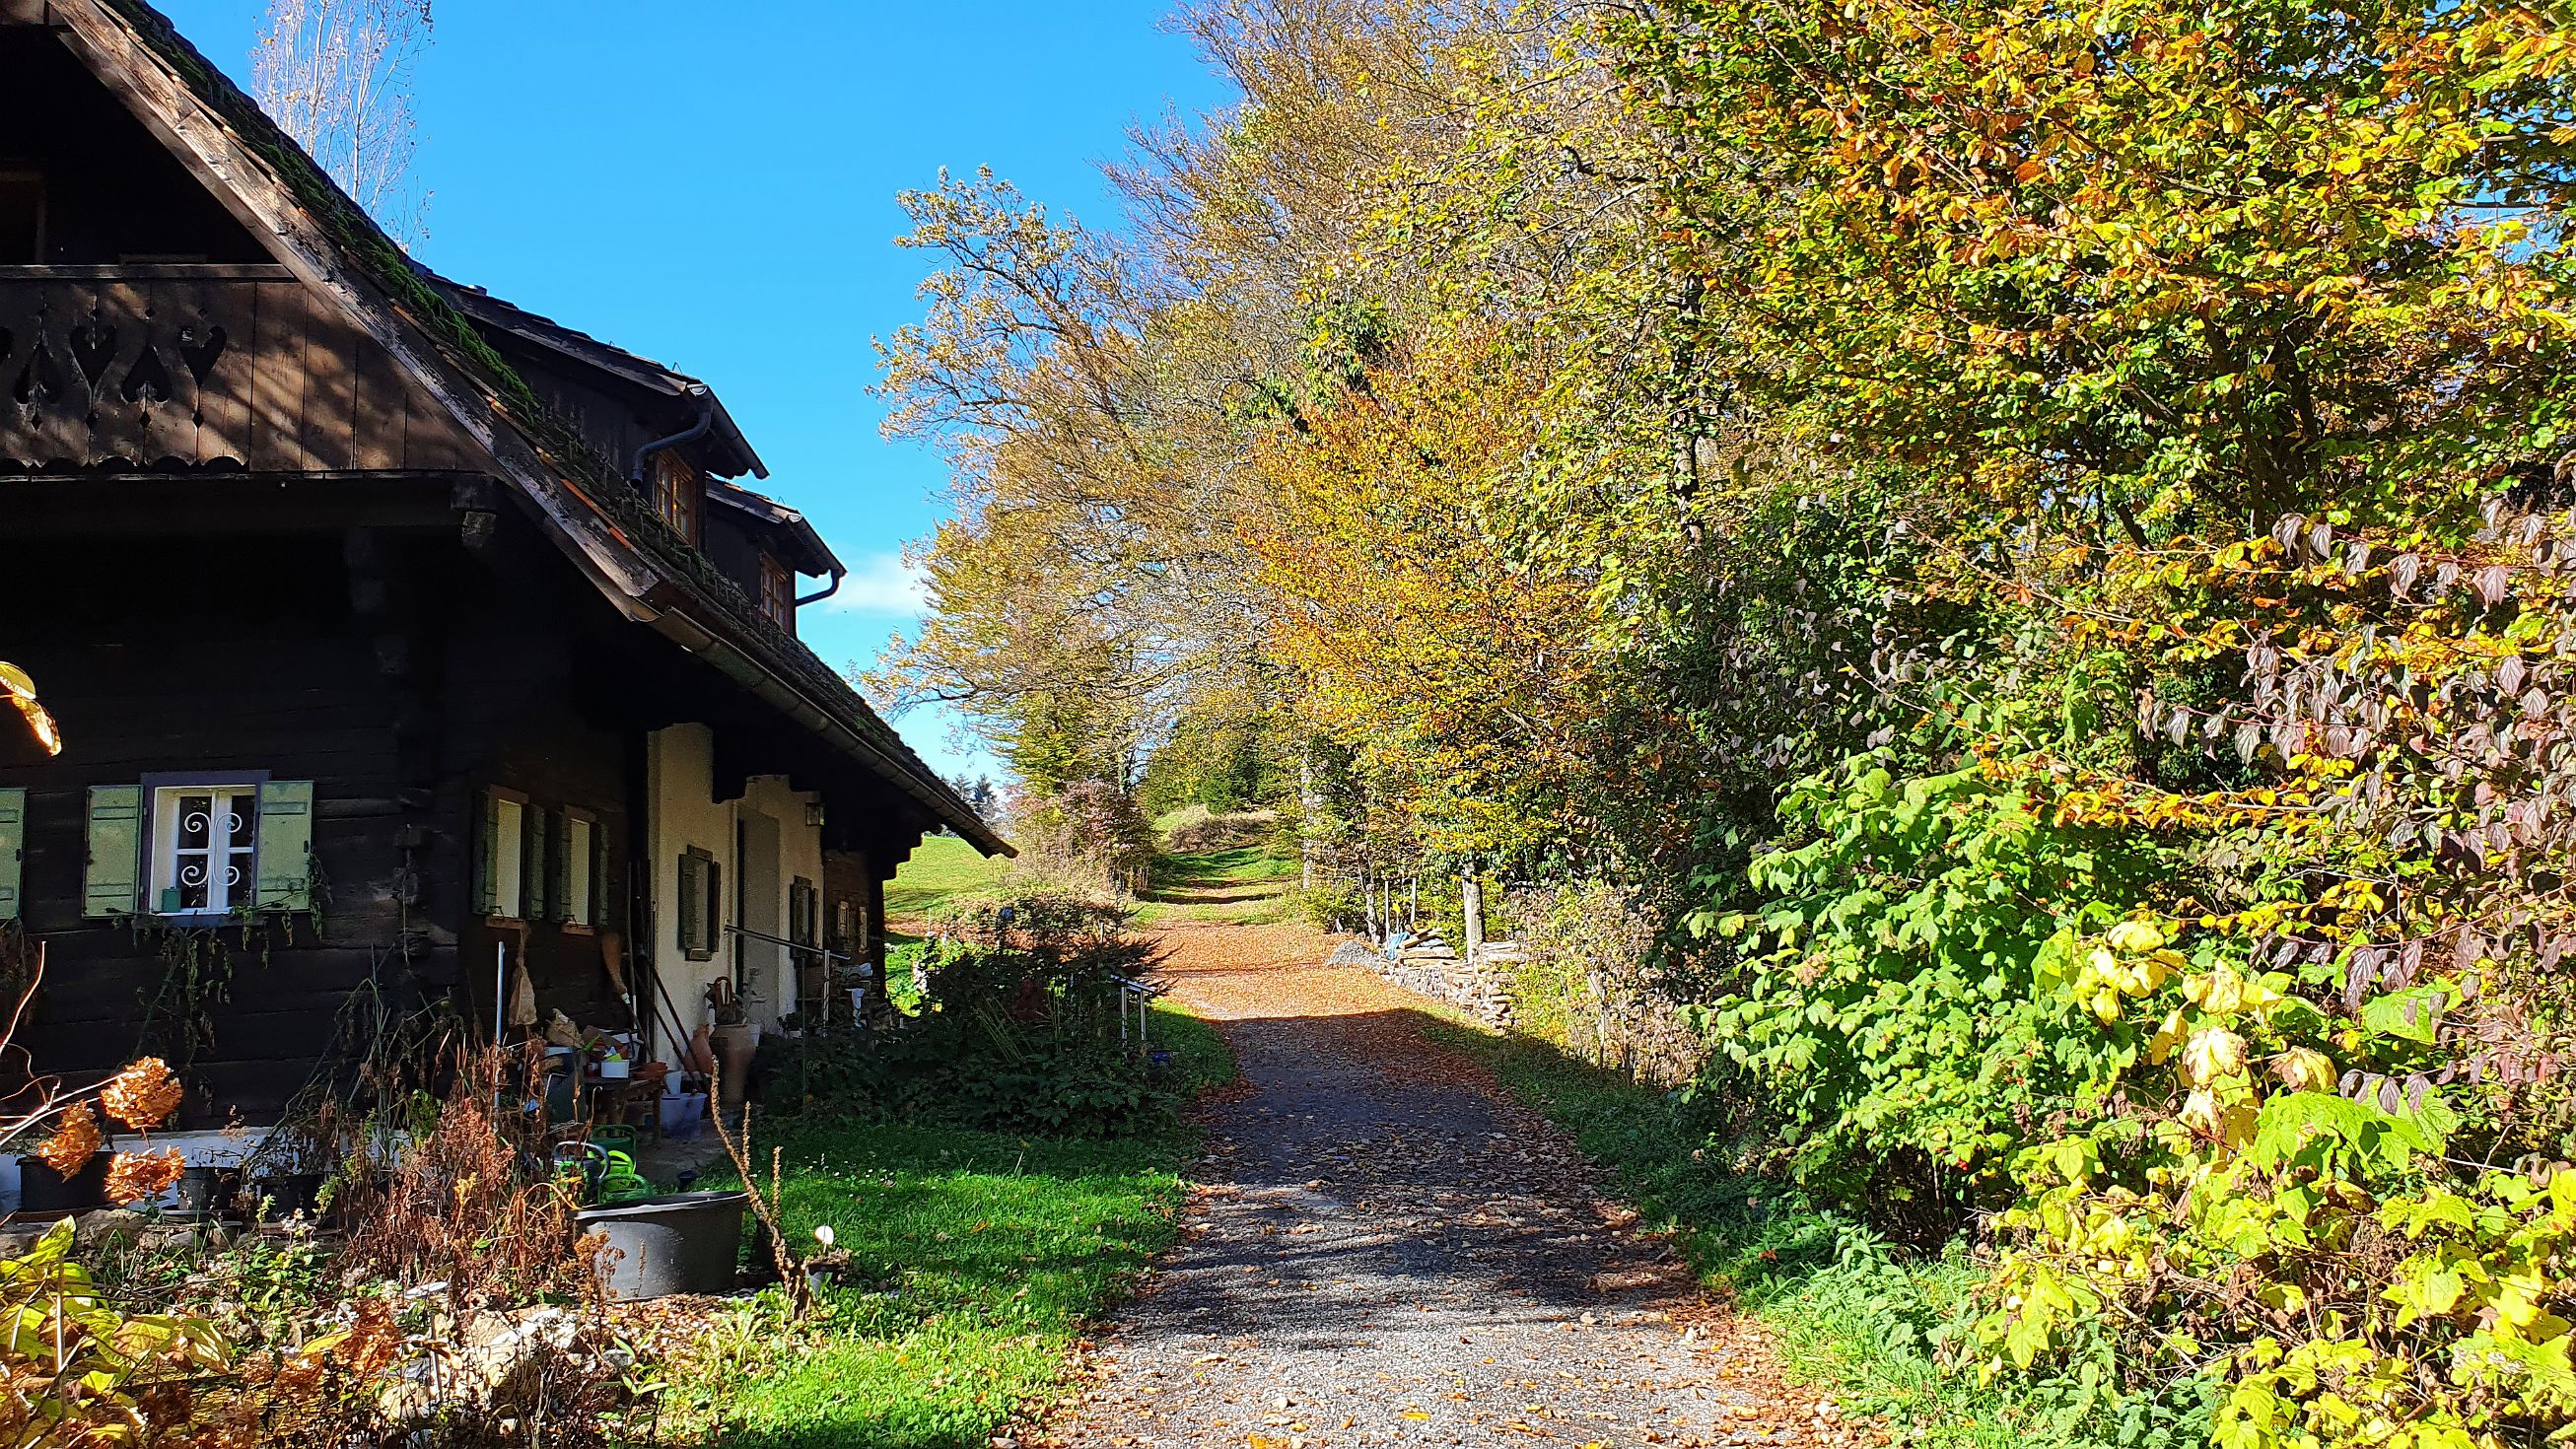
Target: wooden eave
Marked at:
801, 548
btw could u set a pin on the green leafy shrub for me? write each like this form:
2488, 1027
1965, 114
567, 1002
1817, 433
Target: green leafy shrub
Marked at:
1020, 1028
80, 1371
1087, 837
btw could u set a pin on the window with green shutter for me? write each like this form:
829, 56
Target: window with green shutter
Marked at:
559, 906
487, 837
13, 849
111, 881
285, 859
538, 903
581, 868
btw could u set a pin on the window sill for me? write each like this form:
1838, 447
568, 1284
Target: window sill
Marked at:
577, 928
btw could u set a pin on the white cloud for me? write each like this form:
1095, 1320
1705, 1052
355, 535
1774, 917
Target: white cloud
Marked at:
882, 583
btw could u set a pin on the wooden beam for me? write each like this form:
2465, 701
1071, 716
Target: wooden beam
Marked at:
112, 506
147, 271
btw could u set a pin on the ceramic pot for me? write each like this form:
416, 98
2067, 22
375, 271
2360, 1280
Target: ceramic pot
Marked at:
734, 1046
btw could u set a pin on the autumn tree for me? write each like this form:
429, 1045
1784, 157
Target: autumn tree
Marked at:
336, 75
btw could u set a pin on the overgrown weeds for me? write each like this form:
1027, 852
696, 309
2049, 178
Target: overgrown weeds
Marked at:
470, 1204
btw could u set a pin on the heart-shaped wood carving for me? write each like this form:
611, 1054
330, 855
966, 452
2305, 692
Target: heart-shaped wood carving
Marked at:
201, 354
93, 349
41, 379
148, 380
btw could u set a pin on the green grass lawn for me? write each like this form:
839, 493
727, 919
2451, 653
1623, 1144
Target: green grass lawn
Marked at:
1240, 879
981, 1259
944, 868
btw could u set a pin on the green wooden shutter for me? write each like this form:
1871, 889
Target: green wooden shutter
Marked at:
488, 856
285, 846
112, 883
532, 864
558, 866
711, 920
690, 883
13, 845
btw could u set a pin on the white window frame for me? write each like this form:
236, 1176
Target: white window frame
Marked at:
235, 885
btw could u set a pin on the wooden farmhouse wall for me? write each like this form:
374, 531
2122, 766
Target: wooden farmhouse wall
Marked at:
201, 656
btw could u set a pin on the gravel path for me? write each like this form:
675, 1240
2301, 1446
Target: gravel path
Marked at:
1383, 1250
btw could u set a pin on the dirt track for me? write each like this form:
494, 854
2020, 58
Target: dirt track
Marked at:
1382, 1249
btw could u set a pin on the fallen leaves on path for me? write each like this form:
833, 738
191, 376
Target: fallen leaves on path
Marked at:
1384, 1249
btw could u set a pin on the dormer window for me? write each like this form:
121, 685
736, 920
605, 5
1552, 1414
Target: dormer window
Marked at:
777, 594
679, 495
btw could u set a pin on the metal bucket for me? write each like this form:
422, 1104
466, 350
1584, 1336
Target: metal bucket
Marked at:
685, 1242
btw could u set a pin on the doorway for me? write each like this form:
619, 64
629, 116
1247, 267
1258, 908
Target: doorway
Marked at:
758, 972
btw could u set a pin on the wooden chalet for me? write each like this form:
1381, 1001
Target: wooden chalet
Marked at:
396, 633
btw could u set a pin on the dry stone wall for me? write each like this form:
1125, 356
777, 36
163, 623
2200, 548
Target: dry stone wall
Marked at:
1430, 966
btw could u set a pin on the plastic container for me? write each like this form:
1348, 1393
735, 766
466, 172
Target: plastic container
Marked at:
685, 1242
682, 1112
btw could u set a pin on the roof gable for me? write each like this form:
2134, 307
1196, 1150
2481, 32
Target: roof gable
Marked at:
352, 274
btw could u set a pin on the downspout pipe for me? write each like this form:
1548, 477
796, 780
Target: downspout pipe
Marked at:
827, 591
706, 419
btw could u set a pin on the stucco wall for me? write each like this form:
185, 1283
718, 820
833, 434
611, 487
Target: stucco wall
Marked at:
679, 765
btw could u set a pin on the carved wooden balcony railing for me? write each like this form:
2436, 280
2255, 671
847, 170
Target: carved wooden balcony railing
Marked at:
146, 368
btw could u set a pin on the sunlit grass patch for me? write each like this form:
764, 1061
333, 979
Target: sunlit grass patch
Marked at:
943, 869
977, 1262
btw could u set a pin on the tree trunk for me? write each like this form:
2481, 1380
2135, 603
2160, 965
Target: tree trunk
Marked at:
1305, 824
1472, 893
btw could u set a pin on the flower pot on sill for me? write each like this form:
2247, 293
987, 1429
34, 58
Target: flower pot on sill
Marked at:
43, 1190
209, 1189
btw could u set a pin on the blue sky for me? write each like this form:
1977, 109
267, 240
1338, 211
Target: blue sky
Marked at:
713, 186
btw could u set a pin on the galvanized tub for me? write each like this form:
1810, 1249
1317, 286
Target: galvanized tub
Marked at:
682, 1242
